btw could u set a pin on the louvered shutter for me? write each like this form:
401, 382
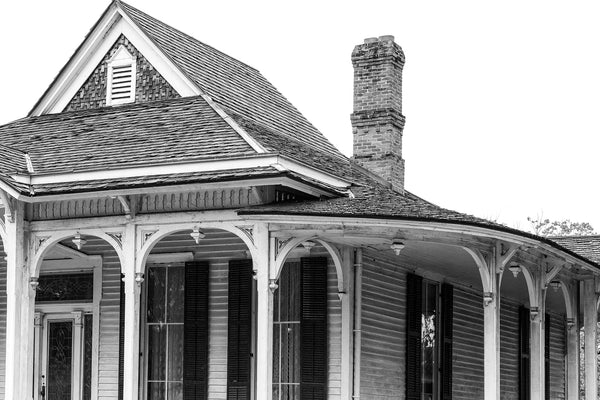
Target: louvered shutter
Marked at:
121, 336
239, 330
414, 294
524, 361
195, 331
313, 329
547, 357
447, 319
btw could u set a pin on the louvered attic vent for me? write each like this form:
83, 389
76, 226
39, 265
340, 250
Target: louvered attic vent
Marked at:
121, 78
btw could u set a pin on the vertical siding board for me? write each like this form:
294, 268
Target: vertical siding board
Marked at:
467, 373
509, 351
557, 357
2, 321
383, 330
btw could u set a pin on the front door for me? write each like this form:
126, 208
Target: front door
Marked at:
60, 340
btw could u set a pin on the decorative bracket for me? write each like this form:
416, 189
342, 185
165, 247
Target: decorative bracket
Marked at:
550, 275
505, 254
8, 206
127, 206
248, 231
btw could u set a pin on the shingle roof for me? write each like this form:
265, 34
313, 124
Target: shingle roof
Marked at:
170, 131
587, 246
231, 83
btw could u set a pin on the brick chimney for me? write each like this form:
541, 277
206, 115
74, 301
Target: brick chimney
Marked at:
377, 120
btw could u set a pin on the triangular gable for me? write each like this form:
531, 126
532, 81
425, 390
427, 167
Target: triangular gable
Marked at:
110, 28
150, 84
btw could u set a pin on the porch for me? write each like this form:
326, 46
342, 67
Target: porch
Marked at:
287, 309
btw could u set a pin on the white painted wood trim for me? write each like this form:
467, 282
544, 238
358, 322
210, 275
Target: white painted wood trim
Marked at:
285, 181
95, 47
267, 160
450, 227
234, 125
169, 258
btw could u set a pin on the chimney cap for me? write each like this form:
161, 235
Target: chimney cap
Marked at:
371, 40
386, 38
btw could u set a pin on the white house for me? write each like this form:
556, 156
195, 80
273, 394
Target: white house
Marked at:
175, 229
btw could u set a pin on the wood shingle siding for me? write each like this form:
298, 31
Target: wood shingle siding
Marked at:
467, 375
150, 85
383, 329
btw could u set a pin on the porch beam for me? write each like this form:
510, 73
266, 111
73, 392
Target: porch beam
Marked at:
590, 321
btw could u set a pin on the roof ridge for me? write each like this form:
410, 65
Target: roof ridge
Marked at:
122, 3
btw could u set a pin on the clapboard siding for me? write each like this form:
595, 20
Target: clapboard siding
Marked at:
2, 321
383, 329
467, 378
108, 351
557, 357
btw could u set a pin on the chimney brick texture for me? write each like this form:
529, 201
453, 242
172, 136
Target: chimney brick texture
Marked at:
377, 120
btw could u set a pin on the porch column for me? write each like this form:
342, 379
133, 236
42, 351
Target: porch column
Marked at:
573, 362
572, 373
491, 339
347, 300
590, 321
131, 350
264, 316
537, 347
19, 312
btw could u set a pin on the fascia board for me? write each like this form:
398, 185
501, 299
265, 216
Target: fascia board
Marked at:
306, 188
449, 227
267, 160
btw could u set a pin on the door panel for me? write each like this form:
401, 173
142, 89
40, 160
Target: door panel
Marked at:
60, 360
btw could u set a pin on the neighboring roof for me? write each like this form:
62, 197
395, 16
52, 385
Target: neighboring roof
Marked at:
231, 83
587, 246
153, 133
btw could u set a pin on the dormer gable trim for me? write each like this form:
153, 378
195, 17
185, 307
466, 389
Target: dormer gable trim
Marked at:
90, 53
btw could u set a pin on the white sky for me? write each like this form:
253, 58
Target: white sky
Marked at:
501, 98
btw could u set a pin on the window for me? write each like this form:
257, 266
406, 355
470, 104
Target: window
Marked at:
164, 324
300, 331
429, 339
120, 82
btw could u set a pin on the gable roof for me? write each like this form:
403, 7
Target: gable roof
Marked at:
231, 83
